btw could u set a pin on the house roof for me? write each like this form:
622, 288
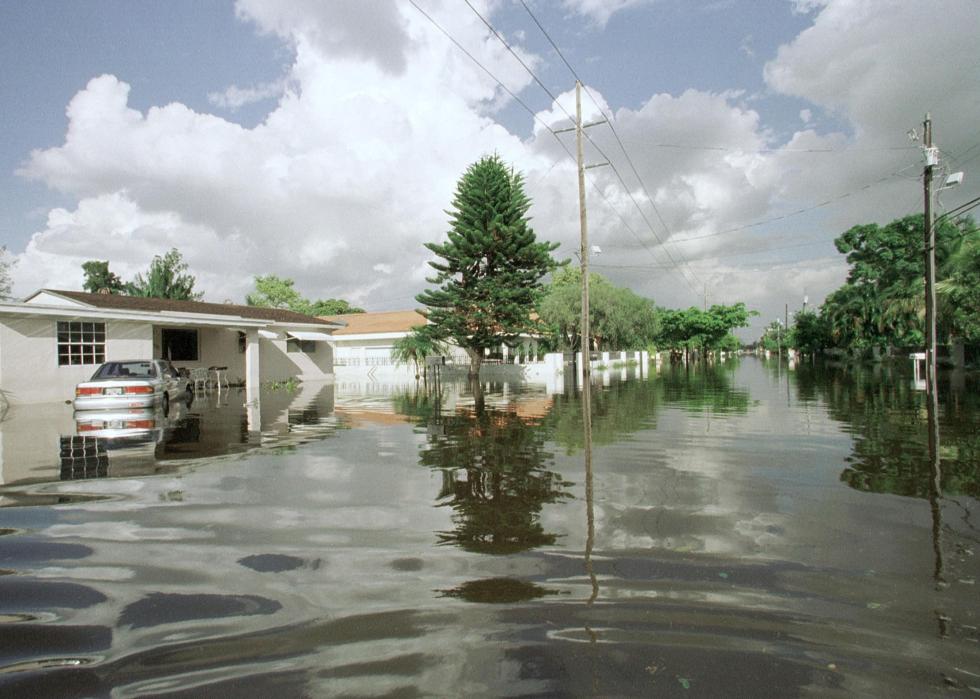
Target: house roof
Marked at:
139, 303
383, 322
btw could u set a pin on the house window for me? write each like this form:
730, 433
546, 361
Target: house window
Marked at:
80, 343
304, 346
179, 345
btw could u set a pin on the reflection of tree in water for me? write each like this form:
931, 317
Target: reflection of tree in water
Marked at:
622, 408
887, 418
498, 591
494, 478
626, 407
704, 388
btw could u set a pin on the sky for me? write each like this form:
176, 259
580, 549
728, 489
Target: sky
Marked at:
322, 141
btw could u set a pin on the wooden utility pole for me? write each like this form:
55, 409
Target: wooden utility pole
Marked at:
930, 253
584, 228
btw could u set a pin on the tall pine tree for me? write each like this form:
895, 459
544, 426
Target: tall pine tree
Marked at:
489, 275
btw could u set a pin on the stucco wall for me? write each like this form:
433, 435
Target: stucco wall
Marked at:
277, 364
29, 371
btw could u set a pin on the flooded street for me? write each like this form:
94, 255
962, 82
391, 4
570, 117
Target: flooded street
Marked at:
750, 530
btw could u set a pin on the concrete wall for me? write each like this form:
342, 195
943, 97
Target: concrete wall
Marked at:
277, 364
29, 371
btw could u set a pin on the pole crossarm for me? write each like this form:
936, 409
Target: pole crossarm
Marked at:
583, 126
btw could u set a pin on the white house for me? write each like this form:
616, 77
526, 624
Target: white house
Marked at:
55, 339
367, 340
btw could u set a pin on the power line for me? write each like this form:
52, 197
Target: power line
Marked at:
791, 214
484, 68
534, 116
721, 257
629, 160
960, 210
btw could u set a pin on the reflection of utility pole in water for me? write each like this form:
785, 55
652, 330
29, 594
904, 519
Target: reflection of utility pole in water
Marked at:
936, 495
590, 520
589, 492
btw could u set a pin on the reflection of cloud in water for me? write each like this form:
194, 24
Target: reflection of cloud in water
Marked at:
124, 531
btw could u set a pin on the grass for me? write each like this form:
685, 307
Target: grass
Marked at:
291, 384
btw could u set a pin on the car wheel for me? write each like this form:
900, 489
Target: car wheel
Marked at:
166, 404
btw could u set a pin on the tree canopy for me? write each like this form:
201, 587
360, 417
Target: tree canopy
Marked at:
98, 278
618, 317
272, 291
415, 347
166, 278
882, 302
489, 271
694, 328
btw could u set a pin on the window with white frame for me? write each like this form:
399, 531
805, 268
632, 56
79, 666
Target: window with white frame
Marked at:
80, 342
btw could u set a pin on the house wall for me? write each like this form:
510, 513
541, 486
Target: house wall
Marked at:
29, 371
364, 352
276, 364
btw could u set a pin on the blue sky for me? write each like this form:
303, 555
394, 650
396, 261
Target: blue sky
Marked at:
322, 141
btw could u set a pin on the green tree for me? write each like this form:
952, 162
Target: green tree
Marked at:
619, 318
882, 302
774, 337
809, 333
272, 291
490, 268
415, 347
165, 279
5, 280
959, 293
693, 328
332, 307
99, 278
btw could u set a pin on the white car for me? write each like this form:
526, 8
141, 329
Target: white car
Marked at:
133, 383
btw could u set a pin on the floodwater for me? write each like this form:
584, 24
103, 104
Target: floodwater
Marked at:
745, 529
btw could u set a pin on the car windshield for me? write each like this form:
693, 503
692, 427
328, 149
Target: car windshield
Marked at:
126, 370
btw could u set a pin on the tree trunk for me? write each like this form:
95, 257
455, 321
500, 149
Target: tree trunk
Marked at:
476, 361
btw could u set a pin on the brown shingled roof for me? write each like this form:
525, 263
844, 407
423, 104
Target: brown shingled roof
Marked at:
140, 303
383, 322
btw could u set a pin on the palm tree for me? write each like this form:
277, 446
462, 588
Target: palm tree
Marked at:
415, 347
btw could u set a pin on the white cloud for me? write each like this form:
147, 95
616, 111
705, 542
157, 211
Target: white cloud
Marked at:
350, 173
373, 30
353, 169
235, 97
599, 11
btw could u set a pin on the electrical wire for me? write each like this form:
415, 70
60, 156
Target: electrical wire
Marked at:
960, 210
534, 115
663, 243
804, 210
629, 160
722, 257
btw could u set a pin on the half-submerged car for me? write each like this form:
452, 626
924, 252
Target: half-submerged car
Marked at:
134, 383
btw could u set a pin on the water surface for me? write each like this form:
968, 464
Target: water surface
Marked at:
750, 530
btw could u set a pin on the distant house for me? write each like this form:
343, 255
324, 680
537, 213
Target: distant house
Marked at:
367, 340
54, 339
